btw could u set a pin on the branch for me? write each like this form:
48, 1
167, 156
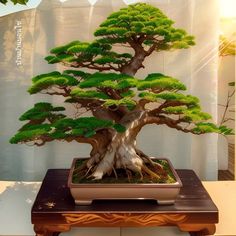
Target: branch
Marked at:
101, 138
142, 103
99, 111
229, 97
66, 90
151, 49
91, 65
114, 94
169, 122
164, 105
226, 120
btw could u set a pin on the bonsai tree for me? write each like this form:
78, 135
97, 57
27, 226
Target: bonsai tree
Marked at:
111, 104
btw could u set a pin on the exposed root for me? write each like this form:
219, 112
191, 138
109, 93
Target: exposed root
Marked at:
81, 168
87, 172
158, 167
141, 175
152, 174
114, 170
94, 159
129, 174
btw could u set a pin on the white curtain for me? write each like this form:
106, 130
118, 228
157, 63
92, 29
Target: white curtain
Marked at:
54, 23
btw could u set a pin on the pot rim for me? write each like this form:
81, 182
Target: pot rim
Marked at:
177, 184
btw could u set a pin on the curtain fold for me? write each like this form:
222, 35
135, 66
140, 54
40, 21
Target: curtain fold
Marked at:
55, 23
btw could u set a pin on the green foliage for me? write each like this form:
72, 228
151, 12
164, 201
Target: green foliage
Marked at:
138, 23
126, 101
113, 57
129, 93
141, 27
160, 81
28, 135
93, 94
225, 130
188, 114
193, 115
119, 128
22, 2
109, 80
64, 128
176, 110
42, 111
55, 78
211, 128
80, 52
77, 73
84, 126
170, 96
142, 19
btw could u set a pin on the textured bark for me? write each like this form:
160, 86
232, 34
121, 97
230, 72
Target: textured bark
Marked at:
139, 56
121, 151
136, 62
134, 65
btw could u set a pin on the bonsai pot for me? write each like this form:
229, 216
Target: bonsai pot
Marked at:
163, 193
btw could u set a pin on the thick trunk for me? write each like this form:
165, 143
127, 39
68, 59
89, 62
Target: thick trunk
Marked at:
134, 65
136, 62
121, 152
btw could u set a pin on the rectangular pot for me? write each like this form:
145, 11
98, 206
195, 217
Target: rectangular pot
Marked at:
164, 194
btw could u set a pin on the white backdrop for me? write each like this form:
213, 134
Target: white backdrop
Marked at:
54, 23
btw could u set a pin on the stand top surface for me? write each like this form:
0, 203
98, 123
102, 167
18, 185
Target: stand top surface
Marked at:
54, 197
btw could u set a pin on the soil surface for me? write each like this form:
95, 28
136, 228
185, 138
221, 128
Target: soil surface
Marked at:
124, 176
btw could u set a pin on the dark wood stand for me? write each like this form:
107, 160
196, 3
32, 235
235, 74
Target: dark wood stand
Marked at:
54, 210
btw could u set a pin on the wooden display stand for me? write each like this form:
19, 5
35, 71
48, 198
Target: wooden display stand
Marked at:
54, 210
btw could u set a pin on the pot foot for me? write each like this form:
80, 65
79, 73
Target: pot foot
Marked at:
83, 202
165, 202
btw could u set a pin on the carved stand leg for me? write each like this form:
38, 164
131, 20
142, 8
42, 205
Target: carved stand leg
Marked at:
50, 230
198, 229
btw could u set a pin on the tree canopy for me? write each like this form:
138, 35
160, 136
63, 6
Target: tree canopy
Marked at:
140, 27
111, 92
